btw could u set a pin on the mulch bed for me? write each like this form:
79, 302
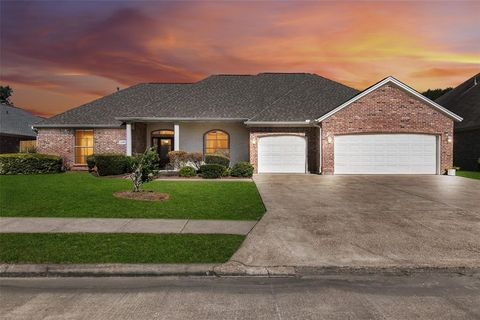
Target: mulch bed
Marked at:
142, 195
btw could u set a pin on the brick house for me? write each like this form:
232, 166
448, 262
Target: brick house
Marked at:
464, 100
280, 122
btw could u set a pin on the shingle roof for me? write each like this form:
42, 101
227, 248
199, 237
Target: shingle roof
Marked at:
16, 121
262, 97
464, 100
102, 112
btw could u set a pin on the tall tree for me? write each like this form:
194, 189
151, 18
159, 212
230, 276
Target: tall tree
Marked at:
5, 94
434, 94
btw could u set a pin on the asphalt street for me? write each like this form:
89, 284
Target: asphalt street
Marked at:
418, 296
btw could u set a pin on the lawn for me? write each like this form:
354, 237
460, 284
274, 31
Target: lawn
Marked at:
79, 194
117, 248
469, 174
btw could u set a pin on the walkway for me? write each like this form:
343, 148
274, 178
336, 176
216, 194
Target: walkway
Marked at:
94, 225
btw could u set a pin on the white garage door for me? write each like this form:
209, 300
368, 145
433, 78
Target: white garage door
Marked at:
385, 154
282, 154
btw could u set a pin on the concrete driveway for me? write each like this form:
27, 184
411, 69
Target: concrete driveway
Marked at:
365, 221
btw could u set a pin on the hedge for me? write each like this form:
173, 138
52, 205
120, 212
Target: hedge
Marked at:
187, 171
212, 171
217, 159
110, 164
29, 163
242, 169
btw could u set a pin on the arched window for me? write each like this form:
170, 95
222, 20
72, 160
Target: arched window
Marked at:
216, 141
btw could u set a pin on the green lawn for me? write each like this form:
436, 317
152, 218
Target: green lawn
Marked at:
116, 248
79, 194
469, 174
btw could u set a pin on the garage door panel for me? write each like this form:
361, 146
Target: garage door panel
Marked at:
385, 154
281, 154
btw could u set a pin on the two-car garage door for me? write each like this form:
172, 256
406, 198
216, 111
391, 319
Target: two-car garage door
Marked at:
385, 154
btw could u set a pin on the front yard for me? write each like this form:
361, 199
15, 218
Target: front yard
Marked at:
117, 248
469, 174
79, 194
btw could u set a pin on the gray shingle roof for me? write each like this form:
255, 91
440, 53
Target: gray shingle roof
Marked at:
262, 97
464, 100
102, 112
16, 121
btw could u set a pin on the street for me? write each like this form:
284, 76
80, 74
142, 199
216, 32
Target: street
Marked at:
417, 296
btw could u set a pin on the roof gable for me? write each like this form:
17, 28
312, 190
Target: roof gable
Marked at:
399, 84
16, 121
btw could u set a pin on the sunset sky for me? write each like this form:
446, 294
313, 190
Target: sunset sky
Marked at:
59, 54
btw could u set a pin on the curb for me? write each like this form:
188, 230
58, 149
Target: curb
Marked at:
229, 269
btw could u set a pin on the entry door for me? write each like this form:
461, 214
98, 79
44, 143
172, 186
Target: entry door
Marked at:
164, 146
282, 154
385, 154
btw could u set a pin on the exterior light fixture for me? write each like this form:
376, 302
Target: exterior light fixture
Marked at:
449, 138
329, 139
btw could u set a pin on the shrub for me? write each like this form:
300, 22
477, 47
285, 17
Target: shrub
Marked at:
177, 158
112, 164
217, 159
91, 162
29, 163
226, 172
195, 159
212, 171
242, 169
144, 168
187, 171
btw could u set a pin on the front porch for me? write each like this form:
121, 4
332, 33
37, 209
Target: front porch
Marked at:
230, 138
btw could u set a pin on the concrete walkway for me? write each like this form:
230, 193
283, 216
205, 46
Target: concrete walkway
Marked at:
94, 225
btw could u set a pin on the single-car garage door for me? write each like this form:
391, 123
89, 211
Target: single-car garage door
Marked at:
385, 154
282, 154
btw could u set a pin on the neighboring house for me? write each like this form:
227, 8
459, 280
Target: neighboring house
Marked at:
279, 122
464, 100
16, 131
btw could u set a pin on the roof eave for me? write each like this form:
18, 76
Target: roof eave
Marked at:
181, 119
77, 125
306, 123
401, 85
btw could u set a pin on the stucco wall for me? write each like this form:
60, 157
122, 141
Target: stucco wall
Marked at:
388, 109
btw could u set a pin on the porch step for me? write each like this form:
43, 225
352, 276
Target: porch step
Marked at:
79, 167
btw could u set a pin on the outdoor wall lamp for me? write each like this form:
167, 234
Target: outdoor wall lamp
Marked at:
329, 139
449, 138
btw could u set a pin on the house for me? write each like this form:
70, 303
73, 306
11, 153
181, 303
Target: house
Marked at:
16, 133
280, 122
464, 100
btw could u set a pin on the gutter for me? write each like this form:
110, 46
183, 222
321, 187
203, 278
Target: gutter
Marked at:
156, 119
306, 123
66, 126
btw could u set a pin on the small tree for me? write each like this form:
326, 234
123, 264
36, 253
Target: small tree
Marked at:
5, 94
144, 168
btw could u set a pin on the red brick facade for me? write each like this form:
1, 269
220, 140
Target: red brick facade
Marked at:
388, 109
312, 134
61, 142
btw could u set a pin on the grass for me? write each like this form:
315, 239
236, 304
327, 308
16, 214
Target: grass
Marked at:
469, 174
117, 248
79, 194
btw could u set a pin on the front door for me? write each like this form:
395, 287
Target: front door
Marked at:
164, 146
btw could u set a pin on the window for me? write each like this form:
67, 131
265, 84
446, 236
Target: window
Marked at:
163, 133
217, 141
83, 145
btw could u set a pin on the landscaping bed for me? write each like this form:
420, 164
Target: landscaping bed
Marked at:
117, 248
80, 194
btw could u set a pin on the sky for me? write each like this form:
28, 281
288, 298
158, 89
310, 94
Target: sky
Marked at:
57, 55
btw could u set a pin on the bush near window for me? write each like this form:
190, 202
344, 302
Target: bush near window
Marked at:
217, 159
91, 162
226, 172
29, 163
187, 171
212, 171
242, 169
179, 159
109, 164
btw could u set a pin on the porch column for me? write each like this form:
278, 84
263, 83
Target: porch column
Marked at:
129, 139
176, 137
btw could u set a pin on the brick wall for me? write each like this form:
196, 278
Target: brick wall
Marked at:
388, 109
61, 142
312, 134
139, 141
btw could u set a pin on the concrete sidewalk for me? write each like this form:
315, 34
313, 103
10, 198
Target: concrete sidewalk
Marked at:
94, 225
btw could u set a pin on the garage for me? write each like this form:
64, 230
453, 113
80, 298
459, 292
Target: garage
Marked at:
385, 154
282, 154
